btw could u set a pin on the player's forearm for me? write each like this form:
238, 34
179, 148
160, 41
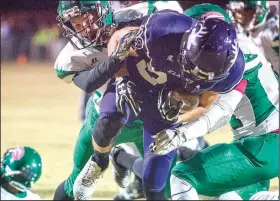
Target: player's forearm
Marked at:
217, 116
191, 115
205, 101
99, 74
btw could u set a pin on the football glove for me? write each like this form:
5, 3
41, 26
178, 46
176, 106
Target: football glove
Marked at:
167, 140
168, 111
122, 51
126, 93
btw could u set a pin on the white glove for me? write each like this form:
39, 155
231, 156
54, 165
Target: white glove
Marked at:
167, 140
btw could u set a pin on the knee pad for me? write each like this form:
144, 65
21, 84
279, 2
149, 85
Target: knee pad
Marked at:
105, 129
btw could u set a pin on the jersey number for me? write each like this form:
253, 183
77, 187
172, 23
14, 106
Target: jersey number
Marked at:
144, 68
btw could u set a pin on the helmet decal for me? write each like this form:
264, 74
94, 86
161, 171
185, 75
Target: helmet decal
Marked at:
18, 153
235, 51
196, 34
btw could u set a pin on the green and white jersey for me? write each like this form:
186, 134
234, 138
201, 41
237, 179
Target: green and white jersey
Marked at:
258, 111
27, 195
70, 60
264, 37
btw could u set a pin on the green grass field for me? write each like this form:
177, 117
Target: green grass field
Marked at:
41, 111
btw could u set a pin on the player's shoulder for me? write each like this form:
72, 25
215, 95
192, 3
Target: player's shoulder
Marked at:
168, 21
71, 60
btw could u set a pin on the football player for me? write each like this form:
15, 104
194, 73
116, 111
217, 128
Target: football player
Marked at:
88, 25
21, 167
160, 40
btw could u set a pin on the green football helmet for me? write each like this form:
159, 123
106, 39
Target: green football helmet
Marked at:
67, 10
261, 9
21, 167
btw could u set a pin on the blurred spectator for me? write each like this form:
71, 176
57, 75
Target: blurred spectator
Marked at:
26, 30
42, 40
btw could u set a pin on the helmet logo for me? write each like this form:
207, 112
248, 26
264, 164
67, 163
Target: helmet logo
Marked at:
235, 51
18, 153
196, 34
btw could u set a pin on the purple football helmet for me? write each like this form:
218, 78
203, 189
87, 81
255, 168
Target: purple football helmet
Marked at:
208, 51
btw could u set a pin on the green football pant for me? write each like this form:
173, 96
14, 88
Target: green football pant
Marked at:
84, 149
228, 167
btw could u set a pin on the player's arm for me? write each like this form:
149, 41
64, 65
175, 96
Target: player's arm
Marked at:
113, 44
215, 117
205, 101
101, 71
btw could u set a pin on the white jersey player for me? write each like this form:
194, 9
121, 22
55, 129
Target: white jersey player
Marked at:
21, 167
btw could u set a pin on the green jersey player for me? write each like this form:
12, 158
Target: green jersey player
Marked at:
21, 167
84, 50
251, 17
252, 158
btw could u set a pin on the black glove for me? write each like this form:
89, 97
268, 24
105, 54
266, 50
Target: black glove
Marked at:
122, 51
126, 93
168, 111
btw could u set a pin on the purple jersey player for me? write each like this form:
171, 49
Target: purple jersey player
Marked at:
169, 50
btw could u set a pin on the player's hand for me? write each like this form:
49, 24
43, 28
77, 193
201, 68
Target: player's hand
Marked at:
126, 93
166, 141
122, 51
168, 111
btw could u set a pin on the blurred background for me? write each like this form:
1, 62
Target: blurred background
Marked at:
38, 109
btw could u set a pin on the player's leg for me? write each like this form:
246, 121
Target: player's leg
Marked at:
83, 150
105, 130
83, 103
226, 167
155, 167
129, 133
135, 163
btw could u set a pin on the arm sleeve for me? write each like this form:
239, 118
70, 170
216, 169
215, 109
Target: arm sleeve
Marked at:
218, 114
99, 74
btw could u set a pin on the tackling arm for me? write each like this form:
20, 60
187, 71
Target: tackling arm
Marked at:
205, 101
101, 71
217, 116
